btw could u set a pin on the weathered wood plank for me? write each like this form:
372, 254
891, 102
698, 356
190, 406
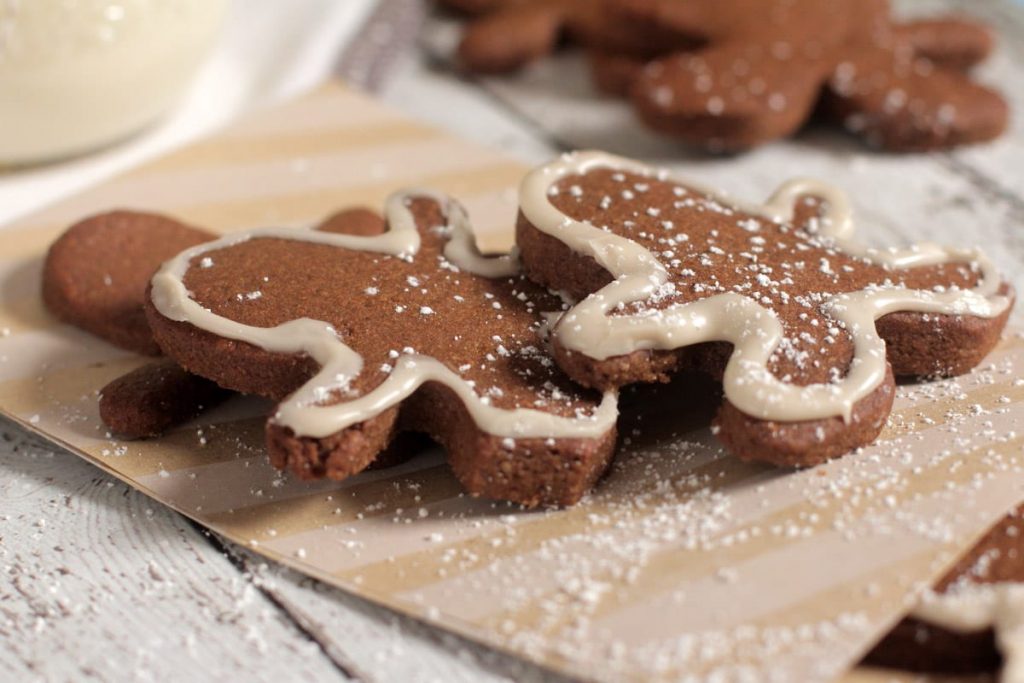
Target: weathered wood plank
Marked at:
99, 581
998, 169
441, 98
378, 644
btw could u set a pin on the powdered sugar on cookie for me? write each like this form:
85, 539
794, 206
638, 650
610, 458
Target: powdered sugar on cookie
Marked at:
783, 283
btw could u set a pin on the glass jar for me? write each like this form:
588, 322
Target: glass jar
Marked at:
79, 74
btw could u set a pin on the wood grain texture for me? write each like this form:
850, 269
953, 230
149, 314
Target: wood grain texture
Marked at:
99, 581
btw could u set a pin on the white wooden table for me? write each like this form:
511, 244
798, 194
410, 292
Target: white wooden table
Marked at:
101, 583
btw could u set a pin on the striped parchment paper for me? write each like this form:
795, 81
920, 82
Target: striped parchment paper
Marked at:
684, 562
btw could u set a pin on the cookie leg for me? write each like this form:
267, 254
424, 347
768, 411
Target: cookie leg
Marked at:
155, 398
953, 43
337, 456
353, 450
530, 472
731, 96
807, 443
902, 103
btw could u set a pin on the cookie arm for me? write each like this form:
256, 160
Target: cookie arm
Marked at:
905, 105
914, 348
95, 274
951, 42
358, 221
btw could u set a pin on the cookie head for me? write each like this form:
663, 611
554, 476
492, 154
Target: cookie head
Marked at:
95, 274
804, 325
365, 328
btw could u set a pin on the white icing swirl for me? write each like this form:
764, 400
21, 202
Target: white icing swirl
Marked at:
754, 330
975, 607
340, 364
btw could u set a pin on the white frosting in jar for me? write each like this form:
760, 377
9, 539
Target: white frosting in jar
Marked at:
754, 330
77, 75
339, 363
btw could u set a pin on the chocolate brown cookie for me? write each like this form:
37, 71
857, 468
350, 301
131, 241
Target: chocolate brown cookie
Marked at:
954, 630
766, 63
95, 274
477, 7
363, 333
154, 398
805, 327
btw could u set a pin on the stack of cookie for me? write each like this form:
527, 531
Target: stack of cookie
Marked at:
805, 328
371, 326
733, 74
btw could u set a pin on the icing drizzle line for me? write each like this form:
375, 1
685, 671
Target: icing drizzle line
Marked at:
339, 363
975, 607
754, 330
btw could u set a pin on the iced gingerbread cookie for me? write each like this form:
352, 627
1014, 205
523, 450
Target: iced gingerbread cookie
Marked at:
970, 622
364, 329
805, 327
763, 66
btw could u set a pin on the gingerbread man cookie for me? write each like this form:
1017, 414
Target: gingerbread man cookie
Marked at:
970, 621
805, 326
362, 330
765, 64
